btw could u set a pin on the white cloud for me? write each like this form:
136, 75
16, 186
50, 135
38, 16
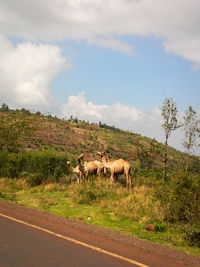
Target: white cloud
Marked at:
27, 71
176, 22
113, 114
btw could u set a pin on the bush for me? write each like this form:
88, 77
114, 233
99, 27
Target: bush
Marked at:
192, 237
181, 197
34, 179
44, 164
159, 227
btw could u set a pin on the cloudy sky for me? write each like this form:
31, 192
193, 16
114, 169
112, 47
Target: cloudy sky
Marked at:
112, 61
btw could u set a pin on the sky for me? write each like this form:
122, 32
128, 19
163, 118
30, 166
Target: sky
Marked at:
113, 61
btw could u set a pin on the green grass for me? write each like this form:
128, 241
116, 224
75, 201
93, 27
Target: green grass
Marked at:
99, 204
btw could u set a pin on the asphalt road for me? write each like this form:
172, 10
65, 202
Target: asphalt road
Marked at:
33, 238
25, 246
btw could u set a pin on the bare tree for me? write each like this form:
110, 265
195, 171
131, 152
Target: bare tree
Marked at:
169, 113
191, 126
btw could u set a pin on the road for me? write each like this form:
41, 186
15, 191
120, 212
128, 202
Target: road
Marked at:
34, 238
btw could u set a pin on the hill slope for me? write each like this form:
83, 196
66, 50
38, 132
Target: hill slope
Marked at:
74, 137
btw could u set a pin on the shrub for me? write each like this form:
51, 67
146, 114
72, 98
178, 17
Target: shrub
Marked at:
34, 179
159, 227
12, 165
45, 164
1, 195
181, 197
192, 237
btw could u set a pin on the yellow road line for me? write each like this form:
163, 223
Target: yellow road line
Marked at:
76, 241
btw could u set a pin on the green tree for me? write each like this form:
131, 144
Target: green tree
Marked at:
147, 154
191, 126
170, 123
4, 108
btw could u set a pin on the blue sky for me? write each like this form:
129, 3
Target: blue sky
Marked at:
112, 61
143, 79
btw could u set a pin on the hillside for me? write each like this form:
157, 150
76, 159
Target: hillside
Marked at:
34, 172
73, 137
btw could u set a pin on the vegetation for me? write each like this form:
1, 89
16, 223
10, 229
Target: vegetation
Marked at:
13, 127
192, 132
35, 148
37, 166
169, 113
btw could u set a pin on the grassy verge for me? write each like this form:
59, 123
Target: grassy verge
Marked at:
101, 204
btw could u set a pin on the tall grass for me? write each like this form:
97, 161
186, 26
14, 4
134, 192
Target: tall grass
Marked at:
140, 205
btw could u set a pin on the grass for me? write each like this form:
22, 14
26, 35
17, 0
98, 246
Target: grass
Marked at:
100, 204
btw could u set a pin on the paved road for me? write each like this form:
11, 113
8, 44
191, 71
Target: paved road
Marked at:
24, 246
33, 238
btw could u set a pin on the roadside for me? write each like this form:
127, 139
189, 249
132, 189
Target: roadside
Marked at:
141, 250
110, 207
